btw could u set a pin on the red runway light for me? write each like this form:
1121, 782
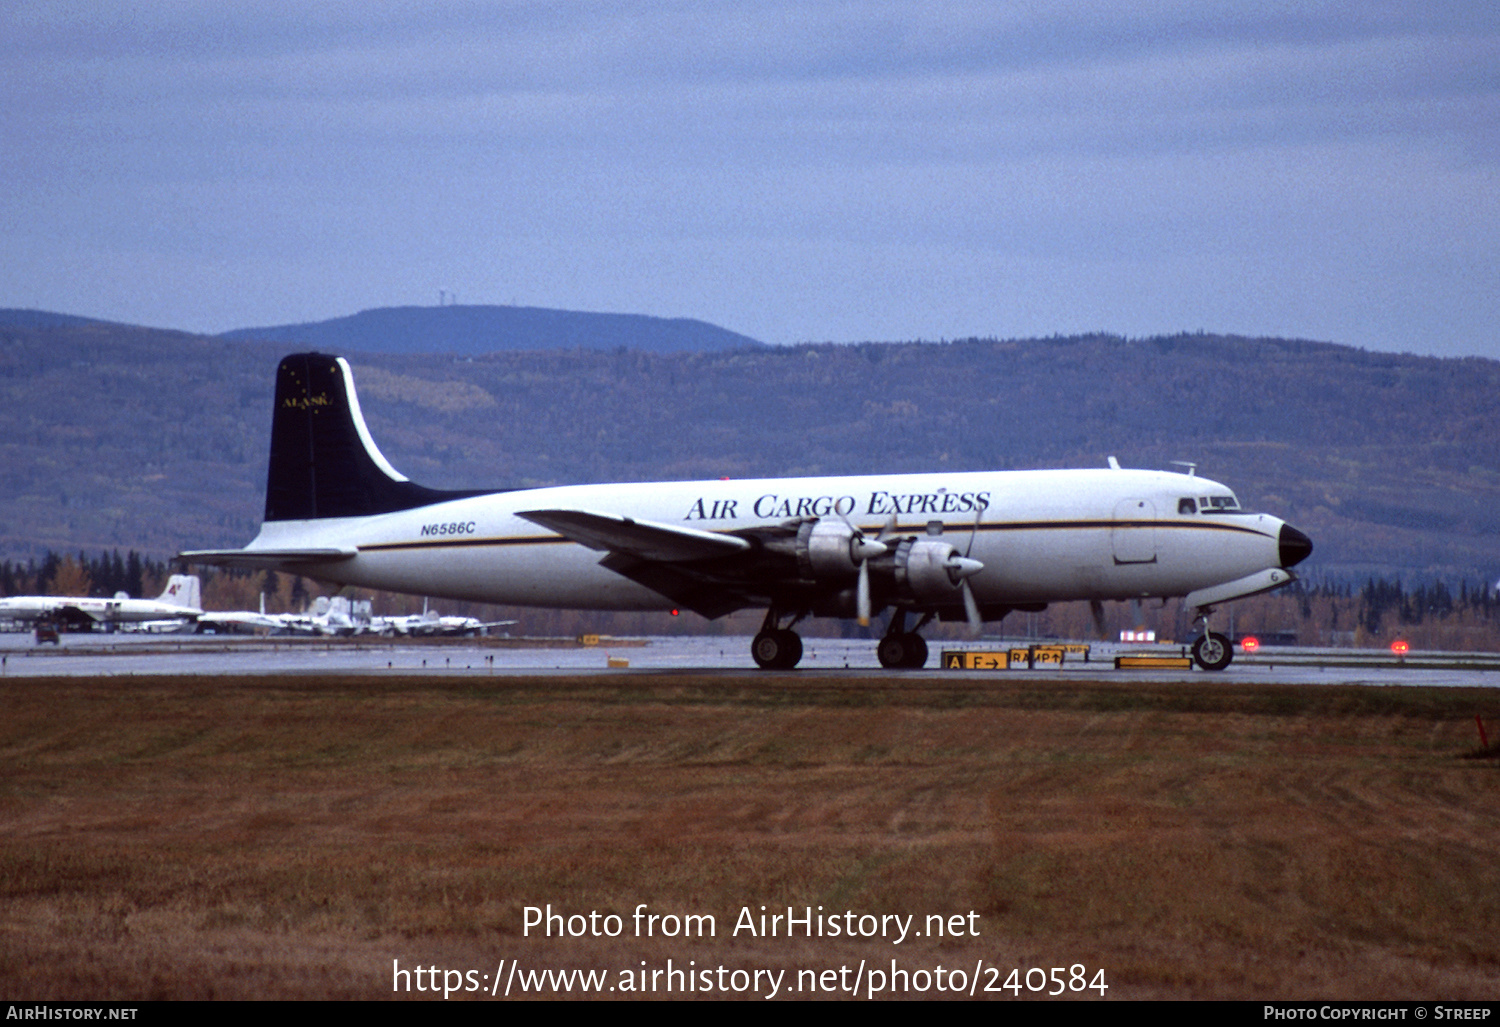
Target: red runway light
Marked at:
1400, 647
1249, 643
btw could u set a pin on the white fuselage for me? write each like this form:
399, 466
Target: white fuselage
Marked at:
102, 611
1042, 536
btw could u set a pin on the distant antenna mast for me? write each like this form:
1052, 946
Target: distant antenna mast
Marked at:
442, 297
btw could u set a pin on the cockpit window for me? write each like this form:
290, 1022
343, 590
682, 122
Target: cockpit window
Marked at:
1185, 505
1218, 504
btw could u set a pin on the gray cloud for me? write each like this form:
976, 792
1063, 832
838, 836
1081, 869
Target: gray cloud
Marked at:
790, 170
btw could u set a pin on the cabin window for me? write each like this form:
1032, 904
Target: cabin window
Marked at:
1185, 505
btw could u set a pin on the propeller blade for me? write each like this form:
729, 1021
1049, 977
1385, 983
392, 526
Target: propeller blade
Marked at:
862, 597
978, 513
862, 550
971, 609
1097, 609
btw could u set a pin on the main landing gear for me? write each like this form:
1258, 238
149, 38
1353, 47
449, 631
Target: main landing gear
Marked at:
777, 648
780, 648
901, 649
906, 651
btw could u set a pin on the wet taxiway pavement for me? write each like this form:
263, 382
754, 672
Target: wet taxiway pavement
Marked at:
124, 655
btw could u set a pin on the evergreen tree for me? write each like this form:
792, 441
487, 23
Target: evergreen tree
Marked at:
135, 582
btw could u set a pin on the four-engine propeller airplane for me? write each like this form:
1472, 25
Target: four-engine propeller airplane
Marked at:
178, 601
965, 546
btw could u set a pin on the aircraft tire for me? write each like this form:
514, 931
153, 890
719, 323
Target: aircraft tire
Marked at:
906, 651
777, 650
1213, 651
793, 648
918, 657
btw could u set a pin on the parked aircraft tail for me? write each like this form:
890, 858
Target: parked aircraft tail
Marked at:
323, 461
182, 590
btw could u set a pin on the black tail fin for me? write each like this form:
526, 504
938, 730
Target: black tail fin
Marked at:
323, 461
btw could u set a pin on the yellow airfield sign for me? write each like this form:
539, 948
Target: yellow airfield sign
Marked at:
1032, 657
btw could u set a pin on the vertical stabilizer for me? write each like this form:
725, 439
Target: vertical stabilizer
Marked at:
182, 590
323, 461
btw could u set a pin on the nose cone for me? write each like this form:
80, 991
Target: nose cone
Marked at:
1295, 546
961, 567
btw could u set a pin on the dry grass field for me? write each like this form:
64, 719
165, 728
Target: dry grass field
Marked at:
291, 838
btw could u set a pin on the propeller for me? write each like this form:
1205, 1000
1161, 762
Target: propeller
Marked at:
968, 568
971, 610
960, 570
1097, 609
862, 550
862, 595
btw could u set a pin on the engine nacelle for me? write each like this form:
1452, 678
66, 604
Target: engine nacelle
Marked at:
923, 570
931, 571
829, 549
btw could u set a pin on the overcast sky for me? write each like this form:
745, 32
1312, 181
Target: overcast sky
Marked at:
796, 171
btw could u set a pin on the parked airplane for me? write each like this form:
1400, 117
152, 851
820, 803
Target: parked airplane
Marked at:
179, 601
243, 621
332, 615
326, 616
431, 623
957, 546
339, 615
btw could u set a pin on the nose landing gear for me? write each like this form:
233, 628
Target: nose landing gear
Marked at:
1213, 651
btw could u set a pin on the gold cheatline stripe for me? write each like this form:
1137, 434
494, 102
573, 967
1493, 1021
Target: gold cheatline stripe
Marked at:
533, 540
521, 540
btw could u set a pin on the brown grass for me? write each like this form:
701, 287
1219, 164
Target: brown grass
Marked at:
282, 838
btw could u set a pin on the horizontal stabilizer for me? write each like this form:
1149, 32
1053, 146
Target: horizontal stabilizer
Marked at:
646, 540
267, 559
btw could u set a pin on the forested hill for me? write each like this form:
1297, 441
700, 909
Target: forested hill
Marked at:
21, 318
472, 330
115, 437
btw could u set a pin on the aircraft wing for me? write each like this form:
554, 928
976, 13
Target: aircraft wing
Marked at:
238, 620
645, 540
703, 571
269, 559
72, 613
